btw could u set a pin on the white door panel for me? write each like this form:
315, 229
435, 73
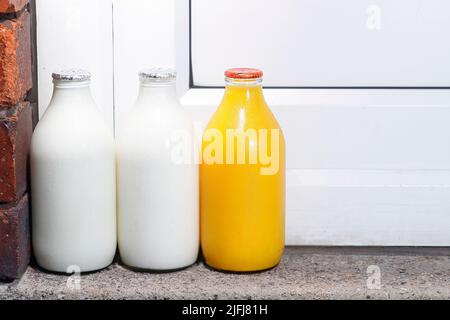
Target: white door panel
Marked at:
144, 32
366, 137
76, 34
392, 215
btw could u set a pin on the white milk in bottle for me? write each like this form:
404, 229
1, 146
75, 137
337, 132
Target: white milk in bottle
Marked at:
73, 181
158, 218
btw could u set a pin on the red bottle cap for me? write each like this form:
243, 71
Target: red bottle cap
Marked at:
243, 73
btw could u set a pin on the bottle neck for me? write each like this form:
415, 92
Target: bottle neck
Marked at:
244, 93
155, 94
74, 93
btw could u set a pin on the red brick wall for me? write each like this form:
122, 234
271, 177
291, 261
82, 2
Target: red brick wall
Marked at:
12, 6
17, 100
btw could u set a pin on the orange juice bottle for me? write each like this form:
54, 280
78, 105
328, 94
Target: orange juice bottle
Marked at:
242, 180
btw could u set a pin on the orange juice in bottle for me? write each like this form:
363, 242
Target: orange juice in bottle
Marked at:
242, 180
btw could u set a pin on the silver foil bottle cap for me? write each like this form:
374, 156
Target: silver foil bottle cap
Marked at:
158, 75
72, 75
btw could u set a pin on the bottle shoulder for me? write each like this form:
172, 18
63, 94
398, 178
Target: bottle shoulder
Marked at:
63, 129
145, 129
155, 119
228, 116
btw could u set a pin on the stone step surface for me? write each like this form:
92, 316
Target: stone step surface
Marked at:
305, 273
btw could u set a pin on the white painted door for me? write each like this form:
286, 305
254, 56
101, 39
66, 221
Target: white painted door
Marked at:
361, 89
76, 34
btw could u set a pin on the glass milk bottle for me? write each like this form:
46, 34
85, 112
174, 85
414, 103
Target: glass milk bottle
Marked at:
73, 181
243, 180
157, 179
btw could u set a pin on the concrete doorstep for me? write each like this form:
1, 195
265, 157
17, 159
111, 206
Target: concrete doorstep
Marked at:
305, 273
